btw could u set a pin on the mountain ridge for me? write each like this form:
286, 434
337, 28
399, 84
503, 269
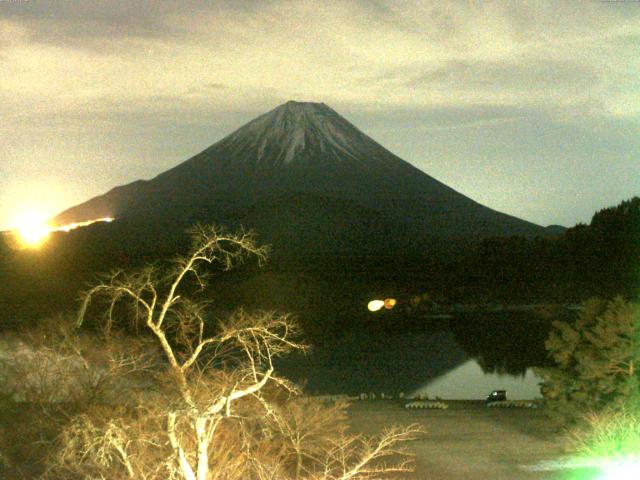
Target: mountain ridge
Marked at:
302, 147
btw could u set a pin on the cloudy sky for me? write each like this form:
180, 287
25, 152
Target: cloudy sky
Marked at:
531, 108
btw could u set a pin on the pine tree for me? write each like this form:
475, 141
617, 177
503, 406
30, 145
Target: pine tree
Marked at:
597, 360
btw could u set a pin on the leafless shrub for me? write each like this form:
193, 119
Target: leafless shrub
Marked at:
213, 407
359, 457
57, 363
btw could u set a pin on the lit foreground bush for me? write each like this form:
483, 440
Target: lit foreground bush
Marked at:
593, 389
197, 402
611, 434
608, 441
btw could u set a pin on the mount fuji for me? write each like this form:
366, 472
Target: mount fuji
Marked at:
305, 178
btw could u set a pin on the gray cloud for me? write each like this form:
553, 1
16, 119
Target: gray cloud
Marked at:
522, 75
68, 21
99, 23
548, 84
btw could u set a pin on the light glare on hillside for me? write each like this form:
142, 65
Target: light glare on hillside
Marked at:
33, 230
74, 225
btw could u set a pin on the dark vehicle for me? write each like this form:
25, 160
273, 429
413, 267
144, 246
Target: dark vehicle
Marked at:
497, 396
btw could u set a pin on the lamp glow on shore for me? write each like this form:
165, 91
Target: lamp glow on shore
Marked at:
375, 305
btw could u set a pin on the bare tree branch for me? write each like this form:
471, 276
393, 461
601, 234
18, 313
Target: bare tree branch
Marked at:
215, 410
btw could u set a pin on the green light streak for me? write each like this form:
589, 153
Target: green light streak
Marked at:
621, 468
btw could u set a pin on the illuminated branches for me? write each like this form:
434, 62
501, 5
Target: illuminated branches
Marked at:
357, 457
214, 407
247, 342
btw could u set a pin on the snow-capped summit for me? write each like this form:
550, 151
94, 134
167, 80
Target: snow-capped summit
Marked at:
298, 127
302, 153
304, 134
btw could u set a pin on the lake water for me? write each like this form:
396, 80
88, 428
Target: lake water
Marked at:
461, 358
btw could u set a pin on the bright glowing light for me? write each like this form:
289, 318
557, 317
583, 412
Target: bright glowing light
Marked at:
620, 468
375, 305
32, 230
73, 226
389, 303
623, 469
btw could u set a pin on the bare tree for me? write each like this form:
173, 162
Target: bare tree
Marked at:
218, 409
359, 457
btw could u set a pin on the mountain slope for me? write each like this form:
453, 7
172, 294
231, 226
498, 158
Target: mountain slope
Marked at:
302, 148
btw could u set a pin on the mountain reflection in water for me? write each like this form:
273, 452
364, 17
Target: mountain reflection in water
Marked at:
464, 357
469, 382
